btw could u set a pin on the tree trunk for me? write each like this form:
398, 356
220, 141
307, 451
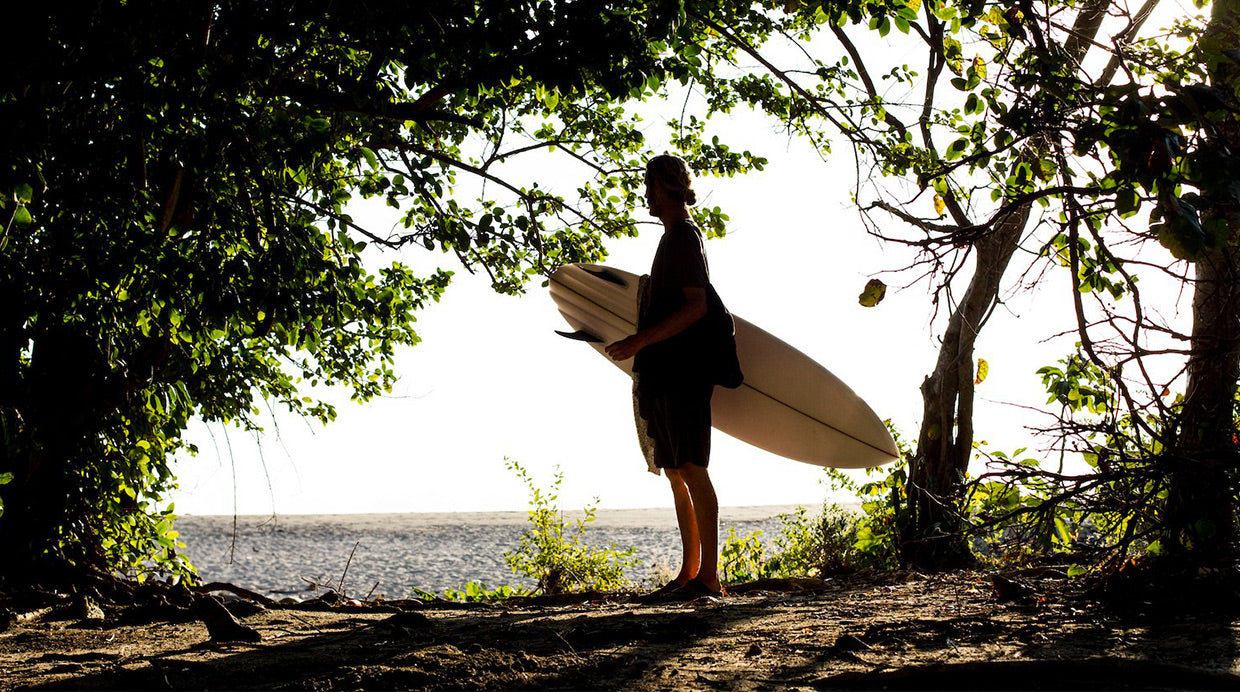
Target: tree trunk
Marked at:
930, 534
50, 422
1200, 512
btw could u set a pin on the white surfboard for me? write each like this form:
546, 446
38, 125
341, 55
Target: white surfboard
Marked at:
789, 404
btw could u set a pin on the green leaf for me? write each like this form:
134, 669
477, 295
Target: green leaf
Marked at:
318, 126
973, 104
22, 217
956, 149
1062, 532
979, 67
1182, 234
1127, 202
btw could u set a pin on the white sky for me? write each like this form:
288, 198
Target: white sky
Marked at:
492, 380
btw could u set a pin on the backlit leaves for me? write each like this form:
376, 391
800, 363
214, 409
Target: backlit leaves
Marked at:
180, 239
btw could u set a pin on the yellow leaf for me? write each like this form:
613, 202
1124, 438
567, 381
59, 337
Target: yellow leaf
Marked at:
983, 369
939, 204
980, 66
873, 294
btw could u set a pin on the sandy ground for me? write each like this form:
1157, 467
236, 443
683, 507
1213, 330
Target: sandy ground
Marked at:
895, 631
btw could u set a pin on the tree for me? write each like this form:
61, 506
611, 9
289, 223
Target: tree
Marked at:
1161, 141
1204, 226
1201, 505
176, 240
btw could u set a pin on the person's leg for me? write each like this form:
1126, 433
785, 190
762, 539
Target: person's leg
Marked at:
705, 505
686, 520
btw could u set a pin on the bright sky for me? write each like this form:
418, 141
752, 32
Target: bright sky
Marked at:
491, 379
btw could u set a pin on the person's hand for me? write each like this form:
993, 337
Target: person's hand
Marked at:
625, 348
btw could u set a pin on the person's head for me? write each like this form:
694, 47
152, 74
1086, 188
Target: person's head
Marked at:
669, 184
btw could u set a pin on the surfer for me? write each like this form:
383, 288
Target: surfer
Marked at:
677, 363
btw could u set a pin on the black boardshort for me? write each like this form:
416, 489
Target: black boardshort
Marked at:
678, 420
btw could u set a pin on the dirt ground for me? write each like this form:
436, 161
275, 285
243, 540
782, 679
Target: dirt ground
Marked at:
895, 631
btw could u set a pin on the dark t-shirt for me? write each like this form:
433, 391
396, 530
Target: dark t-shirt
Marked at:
679, 263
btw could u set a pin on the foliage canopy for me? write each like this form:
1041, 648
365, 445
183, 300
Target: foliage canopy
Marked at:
176, 235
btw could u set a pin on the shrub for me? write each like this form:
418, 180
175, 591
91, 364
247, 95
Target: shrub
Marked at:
817, 546
553, 551
807, 546
742, 559
474, 592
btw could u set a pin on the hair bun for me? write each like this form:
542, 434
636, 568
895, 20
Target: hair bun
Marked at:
690, 197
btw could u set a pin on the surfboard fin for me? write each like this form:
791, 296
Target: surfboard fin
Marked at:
605, 276
580, 336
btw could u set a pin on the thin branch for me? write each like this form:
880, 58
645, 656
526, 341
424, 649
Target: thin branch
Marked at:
781, 75
953, 234
1121, 40
865, 78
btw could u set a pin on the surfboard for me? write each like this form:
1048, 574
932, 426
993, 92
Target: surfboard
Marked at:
789, 405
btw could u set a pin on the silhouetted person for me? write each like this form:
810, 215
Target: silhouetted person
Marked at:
682, 349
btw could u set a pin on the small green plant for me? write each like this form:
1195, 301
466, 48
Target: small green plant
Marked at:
553, 552
817, 546
473, 592
4, 479
742, 559
807, 546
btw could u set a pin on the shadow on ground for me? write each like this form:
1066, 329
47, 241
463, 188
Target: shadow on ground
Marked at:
898, 631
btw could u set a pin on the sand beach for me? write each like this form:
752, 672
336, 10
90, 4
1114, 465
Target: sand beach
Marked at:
393, 554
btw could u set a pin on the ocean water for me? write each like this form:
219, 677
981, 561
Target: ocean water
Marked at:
393, 554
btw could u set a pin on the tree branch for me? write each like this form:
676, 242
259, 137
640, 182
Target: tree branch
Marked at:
1134, 25
340, 102
953, 234
780, 74
865, 78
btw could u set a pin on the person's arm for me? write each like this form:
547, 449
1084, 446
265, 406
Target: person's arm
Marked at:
693, 309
